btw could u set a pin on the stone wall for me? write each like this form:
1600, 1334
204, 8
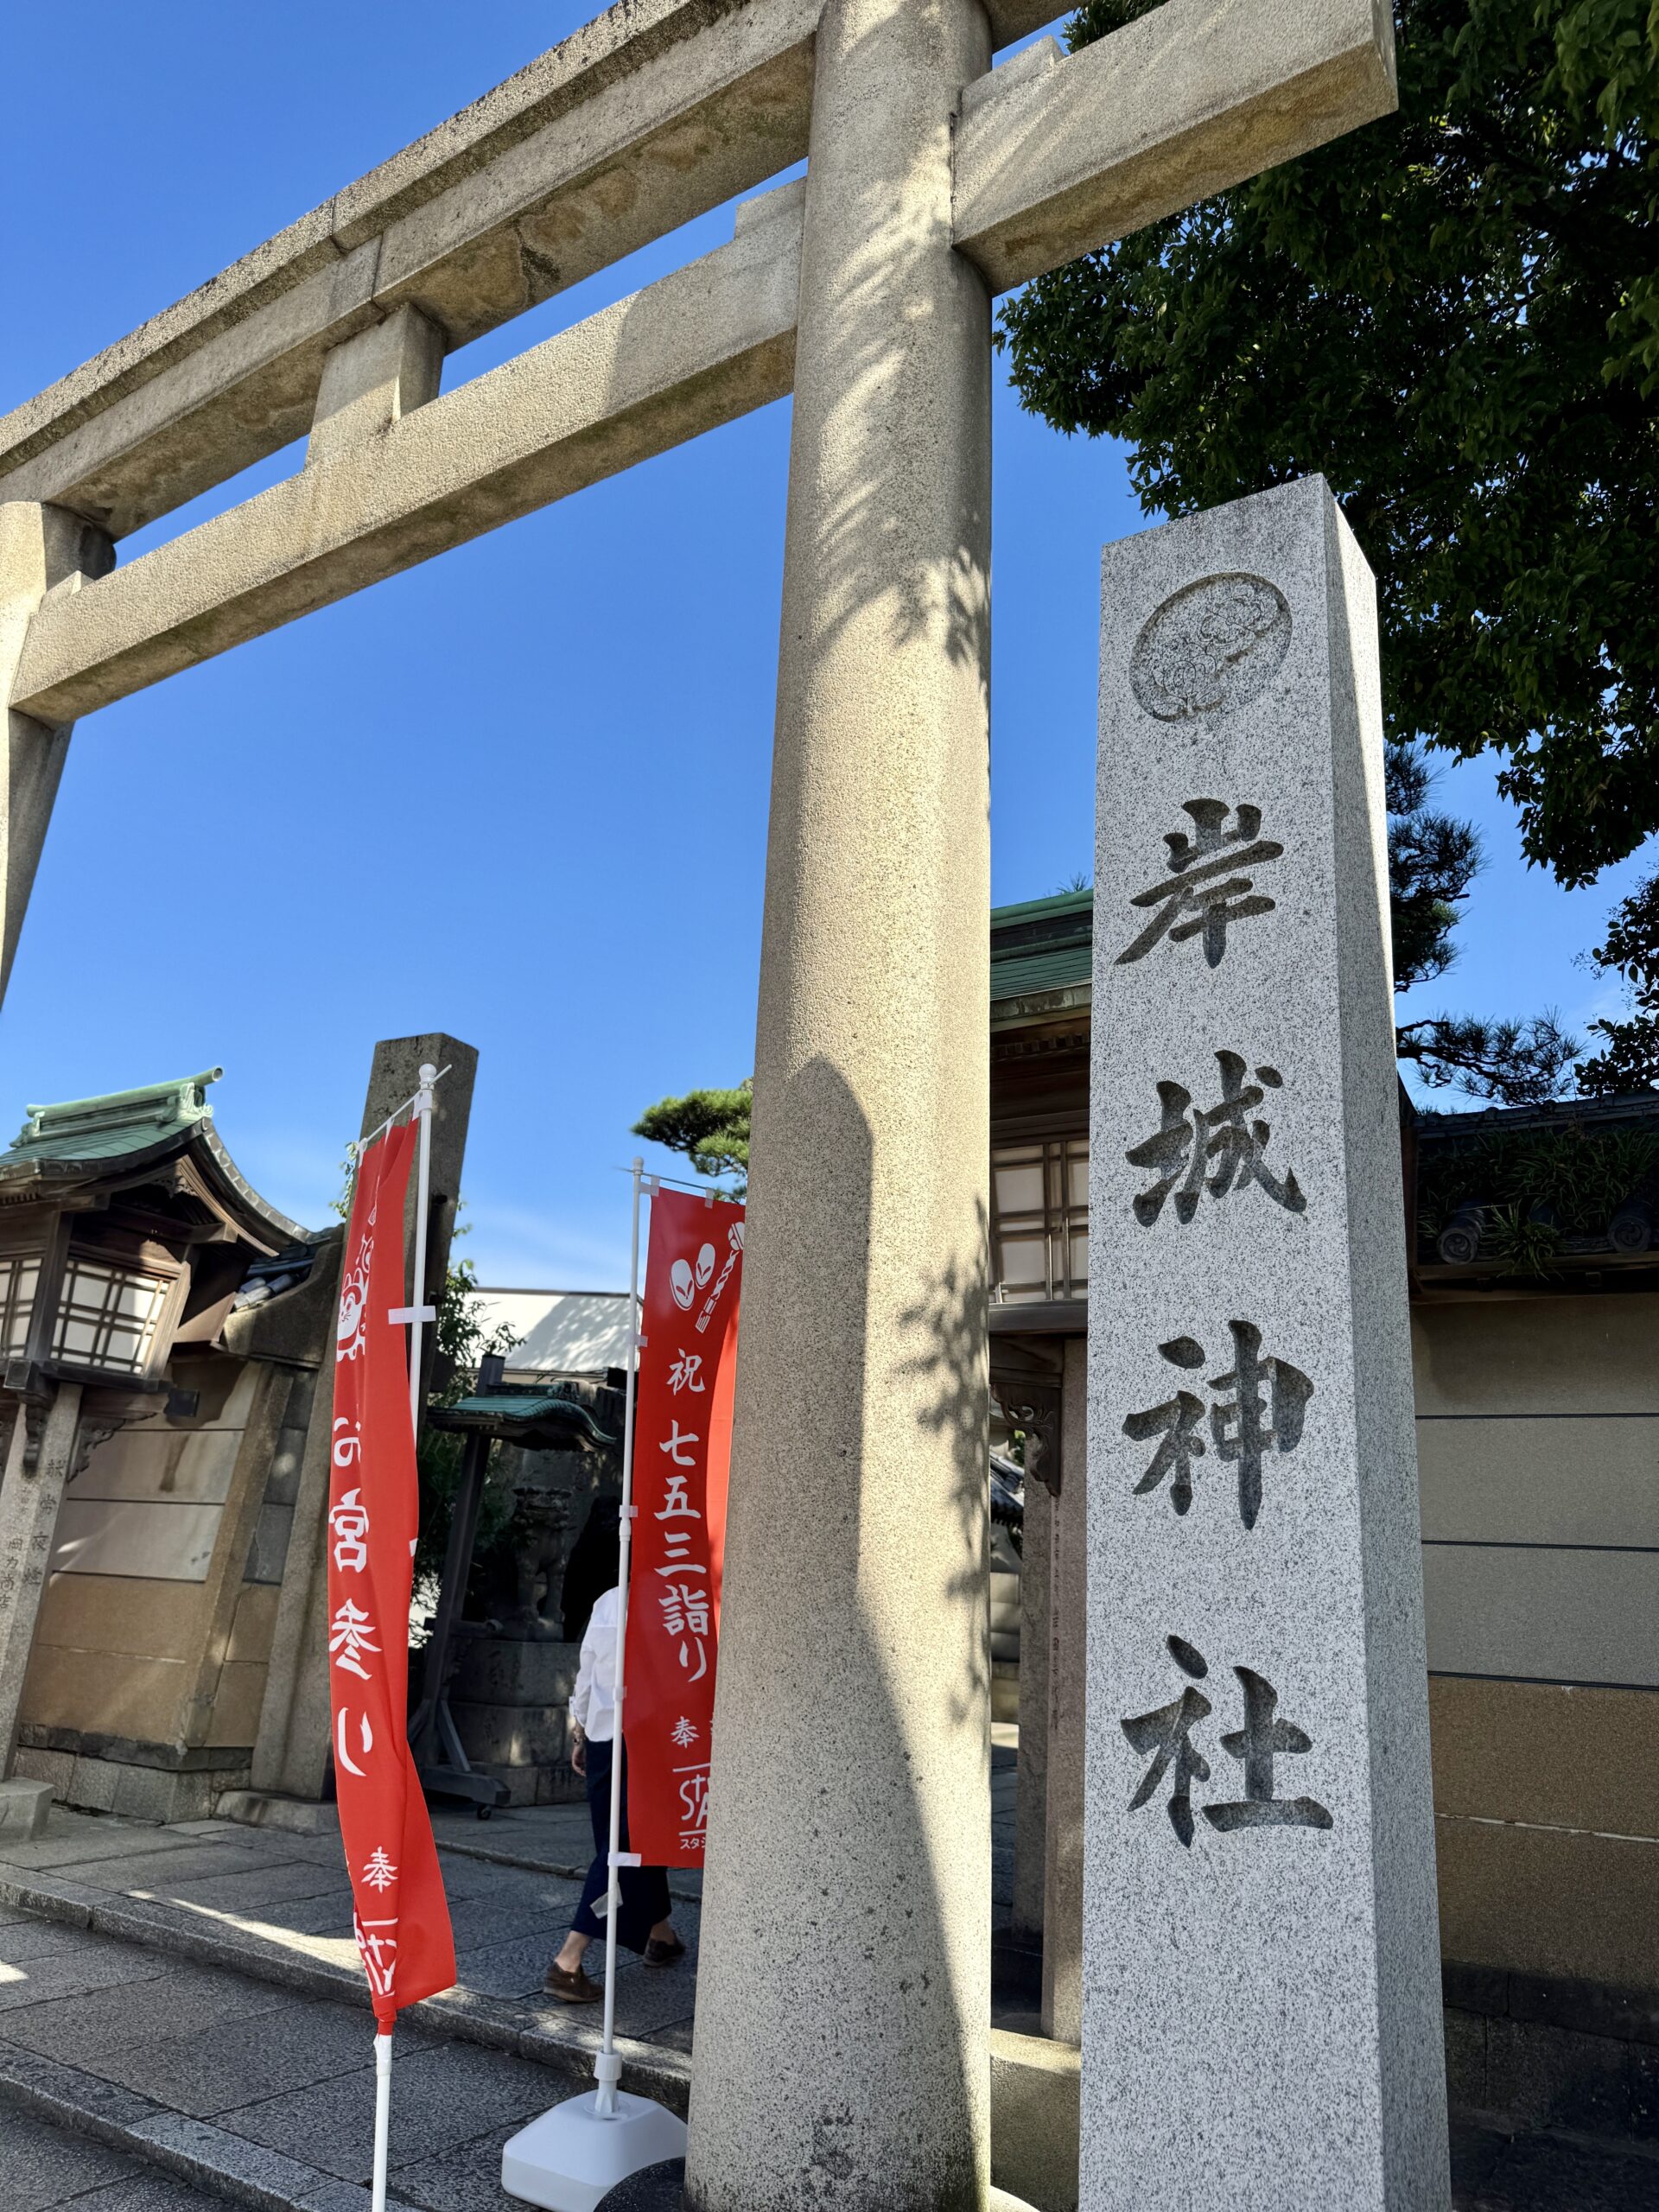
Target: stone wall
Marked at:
148, 1663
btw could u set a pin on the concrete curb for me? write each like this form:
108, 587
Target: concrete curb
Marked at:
210, 2156
653, 2071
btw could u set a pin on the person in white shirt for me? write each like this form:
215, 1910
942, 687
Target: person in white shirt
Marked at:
644, 1922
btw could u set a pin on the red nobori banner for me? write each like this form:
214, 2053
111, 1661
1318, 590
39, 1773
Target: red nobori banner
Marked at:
401, 1916
682, 1452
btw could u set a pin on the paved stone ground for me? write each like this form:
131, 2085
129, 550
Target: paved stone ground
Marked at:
187, 2003
42, 2167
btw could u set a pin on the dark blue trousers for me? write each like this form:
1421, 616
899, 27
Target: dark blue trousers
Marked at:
645, 1889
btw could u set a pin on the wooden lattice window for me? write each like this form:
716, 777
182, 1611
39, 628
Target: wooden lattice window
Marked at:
1039, 1221
107, 1315
20, 1282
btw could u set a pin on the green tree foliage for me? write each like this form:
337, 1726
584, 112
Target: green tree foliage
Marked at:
1454, 314
710, 1127
1433, 861
1630, 1057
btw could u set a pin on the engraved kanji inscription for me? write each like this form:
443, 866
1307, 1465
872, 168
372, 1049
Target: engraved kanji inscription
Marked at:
1191, 1140
1165, 1736
1206, 889
1246, 1427
1245, 1424
1256, 1745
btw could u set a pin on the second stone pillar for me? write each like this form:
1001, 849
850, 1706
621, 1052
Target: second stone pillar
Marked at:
844, 1980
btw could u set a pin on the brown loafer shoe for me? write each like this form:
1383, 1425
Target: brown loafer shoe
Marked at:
573, 1988
659, 1953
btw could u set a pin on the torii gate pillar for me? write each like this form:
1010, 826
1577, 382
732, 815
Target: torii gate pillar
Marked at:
843, 2002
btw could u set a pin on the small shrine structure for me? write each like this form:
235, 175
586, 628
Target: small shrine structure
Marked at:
154, 1410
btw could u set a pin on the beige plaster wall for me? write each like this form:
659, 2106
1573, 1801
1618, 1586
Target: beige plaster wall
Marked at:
1538, 1447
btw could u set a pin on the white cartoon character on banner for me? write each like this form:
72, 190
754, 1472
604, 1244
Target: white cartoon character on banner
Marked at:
351, 1329
734, 1242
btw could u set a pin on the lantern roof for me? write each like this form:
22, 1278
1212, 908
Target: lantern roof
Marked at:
117, 1122
82, 1151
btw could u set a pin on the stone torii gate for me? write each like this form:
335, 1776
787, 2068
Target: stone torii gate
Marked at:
844, 1998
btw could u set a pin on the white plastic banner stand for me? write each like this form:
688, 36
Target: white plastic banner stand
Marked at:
573, 2154
578, 2152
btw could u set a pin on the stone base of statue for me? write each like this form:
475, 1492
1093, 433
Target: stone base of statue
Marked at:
510, 1697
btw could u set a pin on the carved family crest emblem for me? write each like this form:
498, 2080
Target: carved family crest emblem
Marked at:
1215, 645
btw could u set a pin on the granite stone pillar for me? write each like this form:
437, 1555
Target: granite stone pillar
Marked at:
1262, 2020
41, 548
38, 1462
1031, 1796
844, 1983
1068, 1654
290, 1757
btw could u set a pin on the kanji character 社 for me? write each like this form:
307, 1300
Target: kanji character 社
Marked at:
1257, 1743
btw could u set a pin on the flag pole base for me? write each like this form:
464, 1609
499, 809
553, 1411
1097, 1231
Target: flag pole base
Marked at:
573, 2154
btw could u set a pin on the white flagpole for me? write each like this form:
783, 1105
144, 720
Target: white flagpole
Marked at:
417, 1314
607, 2067
381, 2117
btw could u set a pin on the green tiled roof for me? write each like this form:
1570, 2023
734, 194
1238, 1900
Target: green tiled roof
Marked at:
510, 1413
119, 1122
1043, 945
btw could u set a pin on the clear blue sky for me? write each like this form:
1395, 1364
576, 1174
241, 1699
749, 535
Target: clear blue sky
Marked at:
520, 792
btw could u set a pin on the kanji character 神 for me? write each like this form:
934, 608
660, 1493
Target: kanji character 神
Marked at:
1245, 1427
1178, 1419
1205, 891
1189, 1140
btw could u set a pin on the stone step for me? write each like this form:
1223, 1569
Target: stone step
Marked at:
565, 2048
258, 2088
209, 2157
